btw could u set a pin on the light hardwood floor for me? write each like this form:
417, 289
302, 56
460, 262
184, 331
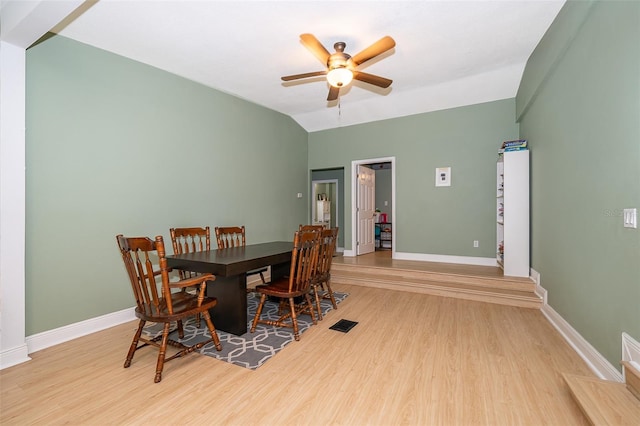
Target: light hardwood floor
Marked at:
412, 359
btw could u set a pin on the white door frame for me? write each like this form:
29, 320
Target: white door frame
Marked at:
354, 202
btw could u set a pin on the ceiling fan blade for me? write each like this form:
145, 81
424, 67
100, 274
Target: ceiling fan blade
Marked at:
333, 93
304, 75
315, 47
380, 46
372, 79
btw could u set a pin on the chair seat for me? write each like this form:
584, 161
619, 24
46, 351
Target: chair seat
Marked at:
184, 304
279, 288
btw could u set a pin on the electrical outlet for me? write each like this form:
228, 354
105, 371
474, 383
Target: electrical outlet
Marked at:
299, 194
476, 243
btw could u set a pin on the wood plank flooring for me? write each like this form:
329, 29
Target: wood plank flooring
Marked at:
412, 359
470, 282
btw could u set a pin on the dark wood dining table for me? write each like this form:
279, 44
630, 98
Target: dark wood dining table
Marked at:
230, 266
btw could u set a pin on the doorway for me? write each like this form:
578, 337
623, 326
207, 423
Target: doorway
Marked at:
338, 216
361, 236
324, 202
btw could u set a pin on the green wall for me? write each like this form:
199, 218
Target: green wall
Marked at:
580, 110
384, 192
116, 146
430, 220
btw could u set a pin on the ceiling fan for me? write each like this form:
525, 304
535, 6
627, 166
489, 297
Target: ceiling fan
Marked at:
341, 67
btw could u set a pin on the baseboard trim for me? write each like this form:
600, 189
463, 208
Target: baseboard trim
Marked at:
598, 364
441, 258
14, 356
540, 291
630, 349
46, 339
63, 334
461, 260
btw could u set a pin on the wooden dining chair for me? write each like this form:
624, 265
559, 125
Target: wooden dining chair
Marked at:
321, 277
234, 236
303, 262
157, 303
190, 240
311, 228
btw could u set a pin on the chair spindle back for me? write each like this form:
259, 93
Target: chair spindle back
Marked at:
304, 258
190, 240
138, 253
325, 254
230, 236
311, 228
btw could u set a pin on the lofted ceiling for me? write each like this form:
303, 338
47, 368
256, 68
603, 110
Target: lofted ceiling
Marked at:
448, 53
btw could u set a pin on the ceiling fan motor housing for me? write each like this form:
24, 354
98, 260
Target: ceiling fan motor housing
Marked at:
339, 59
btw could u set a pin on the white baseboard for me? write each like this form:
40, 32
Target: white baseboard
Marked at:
630, 349
598, 364
63, 334
59, 335
461, 260
14, 356
422, 257
540, 291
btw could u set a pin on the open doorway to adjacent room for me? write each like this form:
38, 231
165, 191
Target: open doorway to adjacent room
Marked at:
373, 207
327, 200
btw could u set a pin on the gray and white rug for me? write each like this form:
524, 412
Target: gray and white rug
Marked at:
250, 350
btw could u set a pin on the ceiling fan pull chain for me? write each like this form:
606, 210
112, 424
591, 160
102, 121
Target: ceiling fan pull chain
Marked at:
339, 109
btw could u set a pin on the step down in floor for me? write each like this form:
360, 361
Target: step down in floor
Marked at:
513, 291
606, 402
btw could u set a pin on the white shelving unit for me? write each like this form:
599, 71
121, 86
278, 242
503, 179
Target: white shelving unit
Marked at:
323, 213
512, 213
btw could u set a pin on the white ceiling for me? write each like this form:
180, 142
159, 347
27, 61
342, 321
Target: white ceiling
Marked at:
448, 53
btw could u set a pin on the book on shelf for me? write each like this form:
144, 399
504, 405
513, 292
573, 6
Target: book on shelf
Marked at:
515, 145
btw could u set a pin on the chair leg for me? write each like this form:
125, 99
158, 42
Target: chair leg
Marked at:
311, 310
180, 329
317, 296
331, 296
134, 344
262, 278
263, 298
294, 318
162, 353
212, 330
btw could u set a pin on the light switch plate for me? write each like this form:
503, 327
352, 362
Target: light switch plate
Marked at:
630, 217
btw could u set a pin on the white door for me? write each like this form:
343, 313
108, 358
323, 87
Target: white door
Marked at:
366, 189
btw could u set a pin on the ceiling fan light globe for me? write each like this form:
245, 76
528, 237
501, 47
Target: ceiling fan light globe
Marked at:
339, 77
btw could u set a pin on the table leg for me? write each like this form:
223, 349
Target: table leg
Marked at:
230, 314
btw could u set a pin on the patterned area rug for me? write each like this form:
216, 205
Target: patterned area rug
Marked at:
250, 350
